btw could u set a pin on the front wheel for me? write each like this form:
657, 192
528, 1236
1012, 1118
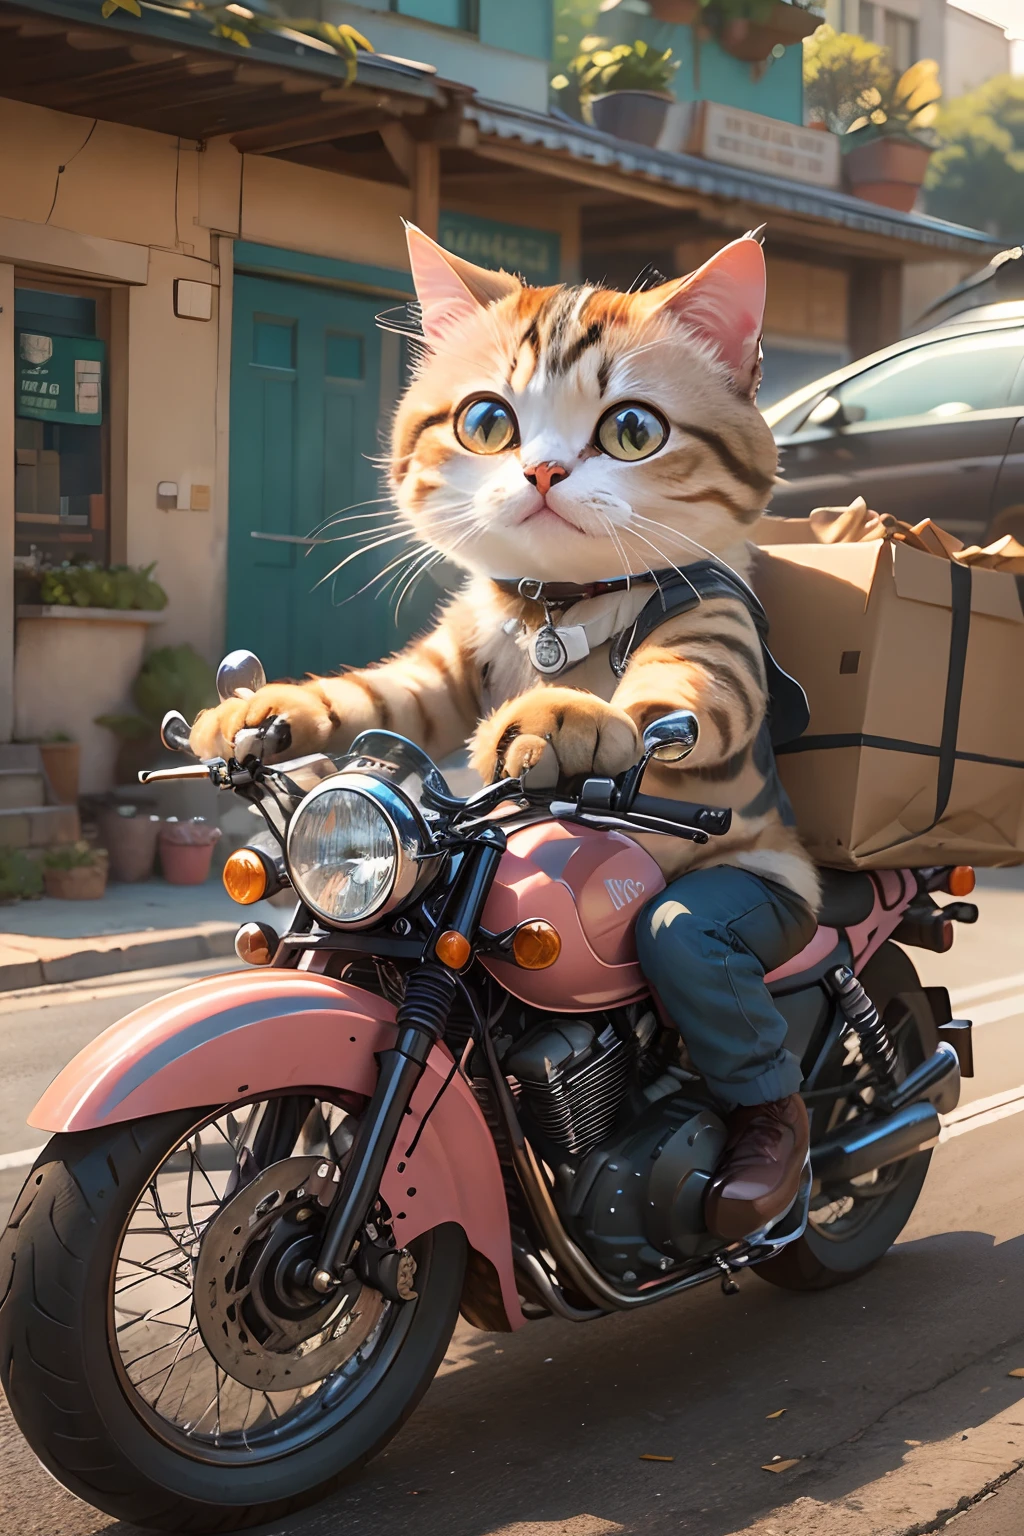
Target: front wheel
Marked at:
154, 1374
851, 1227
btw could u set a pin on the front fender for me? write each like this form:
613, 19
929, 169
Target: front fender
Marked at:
249, 1034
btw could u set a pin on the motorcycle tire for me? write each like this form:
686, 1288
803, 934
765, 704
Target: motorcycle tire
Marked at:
57, 1365
816, 1261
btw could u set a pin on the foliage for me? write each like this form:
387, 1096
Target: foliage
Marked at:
101, 586
20, 876
173, 677
976, 177
75, 856
903, 107
238, 24
626, 67
839, 68
851, 86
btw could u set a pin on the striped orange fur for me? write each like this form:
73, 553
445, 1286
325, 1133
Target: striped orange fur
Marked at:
537, 492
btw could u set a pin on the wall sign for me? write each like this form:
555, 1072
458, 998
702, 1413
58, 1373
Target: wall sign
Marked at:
756, 143
60, 378
533, 253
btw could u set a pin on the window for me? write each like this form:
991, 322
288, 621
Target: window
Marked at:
61, 437
868, 19
461, 14
942, 381
900, 37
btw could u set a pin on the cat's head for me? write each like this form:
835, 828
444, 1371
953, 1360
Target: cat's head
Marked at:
573, 433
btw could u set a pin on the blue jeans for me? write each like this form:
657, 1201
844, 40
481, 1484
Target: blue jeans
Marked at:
705, 944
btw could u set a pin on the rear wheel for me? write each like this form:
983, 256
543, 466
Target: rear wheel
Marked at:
851, 1226
143, 1346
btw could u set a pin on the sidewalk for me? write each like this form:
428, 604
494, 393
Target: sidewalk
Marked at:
132, 927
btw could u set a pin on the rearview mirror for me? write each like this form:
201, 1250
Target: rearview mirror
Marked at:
831, 412
239, 674
671, 738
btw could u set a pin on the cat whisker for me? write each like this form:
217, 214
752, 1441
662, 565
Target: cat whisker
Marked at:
356, 553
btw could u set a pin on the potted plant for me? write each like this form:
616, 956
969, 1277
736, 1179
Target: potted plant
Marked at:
60, 763
886, 150
625, 89
171, 677
840, 69
682, 13
78, 646
186, 849
751, 29
21, 879
77, 872
129, 836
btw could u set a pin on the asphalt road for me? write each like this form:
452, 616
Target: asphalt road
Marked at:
899, 1407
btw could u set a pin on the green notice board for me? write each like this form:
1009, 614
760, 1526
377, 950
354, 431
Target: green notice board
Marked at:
60, 378
534, 253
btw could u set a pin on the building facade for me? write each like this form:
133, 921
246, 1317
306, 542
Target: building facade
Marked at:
195, 243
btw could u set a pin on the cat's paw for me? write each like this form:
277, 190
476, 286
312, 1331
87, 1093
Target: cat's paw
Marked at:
554, 733
308, 722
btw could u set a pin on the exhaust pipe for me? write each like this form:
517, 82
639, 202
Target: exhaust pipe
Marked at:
912, 1122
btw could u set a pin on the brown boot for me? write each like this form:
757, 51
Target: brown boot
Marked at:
758, 1173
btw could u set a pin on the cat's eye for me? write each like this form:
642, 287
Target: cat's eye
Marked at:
486, 424
631, 432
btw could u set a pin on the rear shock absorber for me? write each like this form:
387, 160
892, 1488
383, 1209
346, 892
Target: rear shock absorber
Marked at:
861, 1014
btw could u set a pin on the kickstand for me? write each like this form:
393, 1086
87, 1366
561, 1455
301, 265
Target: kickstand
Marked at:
729, 1285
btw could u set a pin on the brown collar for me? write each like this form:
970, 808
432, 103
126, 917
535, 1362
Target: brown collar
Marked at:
562, 594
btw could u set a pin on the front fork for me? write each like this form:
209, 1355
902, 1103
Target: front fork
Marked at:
422, 1018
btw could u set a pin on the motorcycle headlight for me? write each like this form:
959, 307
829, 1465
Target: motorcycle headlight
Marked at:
352, 849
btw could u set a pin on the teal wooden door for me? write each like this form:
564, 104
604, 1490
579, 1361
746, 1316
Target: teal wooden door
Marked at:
308, 392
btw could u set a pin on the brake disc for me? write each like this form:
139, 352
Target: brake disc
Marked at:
258, 1324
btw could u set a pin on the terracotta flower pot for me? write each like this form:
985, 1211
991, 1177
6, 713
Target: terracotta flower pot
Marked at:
60, 762
888, 171
185, 863
682, 12
86, 882
753, 41
131, 843
638, 116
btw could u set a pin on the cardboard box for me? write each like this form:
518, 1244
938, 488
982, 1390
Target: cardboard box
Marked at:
915, 750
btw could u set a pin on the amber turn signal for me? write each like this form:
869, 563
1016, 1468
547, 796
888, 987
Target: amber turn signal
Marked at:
961, 880
255, 943
536, 945
453, 949
245, 877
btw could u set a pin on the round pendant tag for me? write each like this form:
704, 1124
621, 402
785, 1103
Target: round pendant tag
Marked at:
547, 651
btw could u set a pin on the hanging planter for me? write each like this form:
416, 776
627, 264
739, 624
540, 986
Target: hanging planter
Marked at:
752, 38
682, 13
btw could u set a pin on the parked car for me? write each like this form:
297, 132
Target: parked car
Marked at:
930, 427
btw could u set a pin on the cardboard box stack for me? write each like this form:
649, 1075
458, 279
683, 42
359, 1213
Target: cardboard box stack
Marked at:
911, 652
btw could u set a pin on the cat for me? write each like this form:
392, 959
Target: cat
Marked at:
575, 434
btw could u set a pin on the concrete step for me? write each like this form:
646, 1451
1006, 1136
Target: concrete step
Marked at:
20, 787
39, 826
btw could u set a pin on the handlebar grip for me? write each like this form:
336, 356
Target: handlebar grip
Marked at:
713, 819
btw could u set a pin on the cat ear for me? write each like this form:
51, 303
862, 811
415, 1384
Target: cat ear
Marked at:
449, 288
723, 303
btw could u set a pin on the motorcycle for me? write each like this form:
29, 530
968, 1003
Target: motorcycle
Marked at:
446, 1088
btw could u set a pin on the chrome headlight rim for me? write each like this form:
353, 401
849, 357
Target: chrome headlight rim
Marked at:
411, 845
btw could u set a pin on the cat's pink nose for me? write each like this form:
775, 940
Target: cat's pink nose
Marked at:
544, 476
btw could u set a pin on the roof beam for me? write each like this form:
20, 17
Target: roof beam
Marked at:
324, 126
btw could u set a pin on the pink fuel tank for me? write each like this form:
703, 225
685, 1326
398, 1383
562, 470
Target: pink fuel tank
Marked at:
589, 885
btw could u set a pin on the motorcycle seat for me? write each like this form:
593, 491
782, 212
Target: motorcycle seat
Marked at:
848, 897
